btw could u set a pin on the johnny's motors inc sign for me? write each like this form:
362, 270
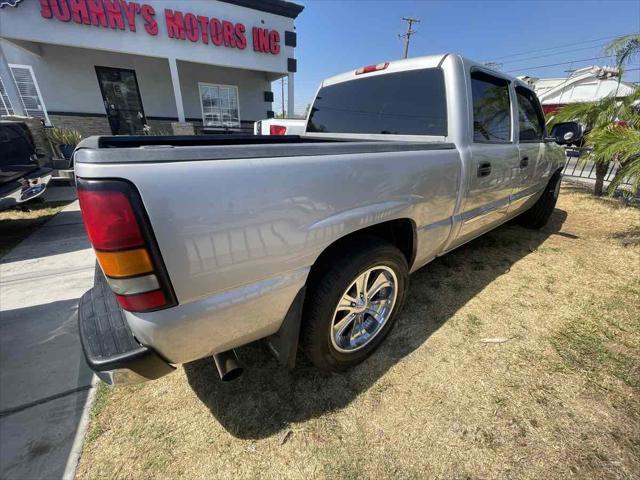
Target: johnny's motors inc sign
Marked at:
185, 26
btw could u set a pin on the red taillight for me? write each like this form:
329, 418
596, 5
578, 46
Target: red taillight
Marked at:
109, 220
142, 301
277, 130
372, 68
120, 233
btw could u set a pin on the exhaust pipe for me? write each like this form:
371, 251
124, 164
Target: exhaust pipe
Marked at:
228, 365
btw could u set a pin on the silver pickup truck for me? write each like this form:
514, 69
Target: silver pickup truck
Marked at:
206, 244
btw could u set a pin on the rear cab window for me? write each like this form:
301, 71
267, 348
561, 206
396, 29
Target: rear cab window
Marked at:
403, 103
530, 116
491, 108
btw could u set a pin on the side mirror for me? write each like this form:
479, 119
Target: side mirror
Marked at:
566, 133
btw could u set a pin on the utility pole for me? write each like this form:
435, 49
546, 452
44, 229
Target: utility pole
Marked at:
407, 36
282, 95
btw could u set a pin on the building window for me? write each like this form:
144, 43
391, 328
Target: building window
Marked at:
29, 92
5, 104
219, 105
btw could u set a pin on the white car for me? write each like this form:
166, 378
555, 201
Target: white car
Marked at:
280, 126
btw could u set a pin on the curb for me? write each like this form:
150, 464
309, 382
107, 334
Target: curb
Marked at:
78, 440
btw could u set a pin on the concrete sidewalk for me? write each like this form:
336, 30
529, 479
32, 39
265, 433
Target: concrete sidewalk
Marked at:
44, 381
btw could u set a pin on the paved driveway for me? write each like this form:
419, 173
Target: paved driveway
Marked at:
44, 381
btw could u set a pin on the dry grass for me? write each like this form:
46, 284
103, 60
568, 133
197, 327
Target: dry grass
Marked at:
16, 224
560, 398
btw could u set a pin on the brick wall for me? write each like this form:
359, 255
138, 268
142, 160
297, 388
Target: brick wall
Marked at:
86, 125
159, 127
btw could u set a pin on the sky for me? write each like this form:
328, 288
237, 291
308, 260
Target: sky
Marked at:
339, 35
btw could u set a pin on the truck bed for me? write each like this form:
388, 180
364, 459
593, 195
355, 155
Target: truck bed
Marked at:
118, 149
240, 220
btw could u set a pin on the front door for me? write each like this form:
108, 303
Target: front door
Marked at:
531, 147
121, 97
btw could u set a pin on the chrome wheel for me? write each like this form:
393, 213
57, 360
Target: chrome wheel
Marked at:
364, 309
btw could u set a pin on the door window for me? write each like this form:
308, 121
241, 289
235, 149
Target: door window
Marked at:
530, 116
219, 105
491, 108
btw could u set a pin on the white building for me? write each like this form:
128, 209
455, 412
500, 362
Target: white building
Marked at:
584, 85
114, 66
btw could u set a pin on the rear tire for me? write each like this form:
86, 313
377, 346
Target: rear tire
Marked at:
331, 340
538, 215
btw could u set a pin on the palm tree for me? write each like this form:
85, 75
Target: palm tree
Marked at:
598, 117
624, 48
613, 124
623, 144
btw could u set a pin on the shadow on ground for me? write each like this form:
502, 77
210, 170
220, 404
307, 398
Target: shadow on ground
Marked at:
63, 234
266, 399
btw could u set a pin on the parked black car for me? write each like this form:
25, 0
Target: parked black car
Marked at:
21, 178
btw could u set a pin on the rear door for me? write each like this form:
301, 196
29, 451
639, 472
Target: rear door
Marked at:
494, 162
530, 146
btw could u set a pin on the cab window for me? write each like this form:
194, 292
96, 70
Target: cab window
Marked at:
402, 103
530, 116
491, 108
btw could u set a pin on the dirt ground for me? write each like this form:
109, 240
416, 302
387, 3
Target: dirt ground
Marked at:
517, 356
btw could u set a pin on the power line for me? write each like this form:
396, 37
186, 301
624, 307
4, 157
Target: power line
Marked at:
553, 54
558, 46
560, 63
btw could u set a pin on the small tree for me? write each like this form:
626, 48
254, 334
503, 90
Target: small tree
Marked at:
612, 123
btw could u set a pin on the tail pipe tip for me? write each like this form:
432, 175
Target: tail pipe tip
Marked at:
228, 365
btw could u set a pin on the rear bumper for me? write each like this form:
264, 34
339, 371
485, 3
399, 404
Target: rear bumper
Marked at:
24, 189
109, 347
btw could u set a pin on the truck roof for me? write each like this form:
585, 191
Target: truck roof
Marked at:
428, 61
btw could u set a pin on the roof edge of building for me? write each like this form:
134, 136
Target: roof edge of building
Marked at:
277, 7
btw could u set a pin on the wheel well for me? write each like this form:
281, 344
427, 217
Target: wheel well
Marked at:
400, 232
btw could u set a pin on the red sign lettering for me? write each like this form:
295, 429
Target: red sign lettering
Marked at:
114, 15
61, 10
96, 13
150, 23
79, 11
45, 9
130, 10
122, 14
175, 24
266, 41
191, 27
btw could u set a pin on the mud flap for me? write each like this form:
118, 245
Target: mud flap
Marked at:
284, 343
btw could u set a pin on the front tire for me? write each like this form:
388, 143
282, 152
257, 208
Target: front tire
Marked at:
538, 215
352, 305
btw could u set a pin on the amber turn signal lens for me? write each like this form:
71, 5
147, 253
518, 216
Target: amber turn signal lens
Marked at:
125, 263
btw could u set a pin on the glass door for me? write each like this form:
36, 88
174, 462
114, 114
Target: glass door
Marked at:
122, 102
